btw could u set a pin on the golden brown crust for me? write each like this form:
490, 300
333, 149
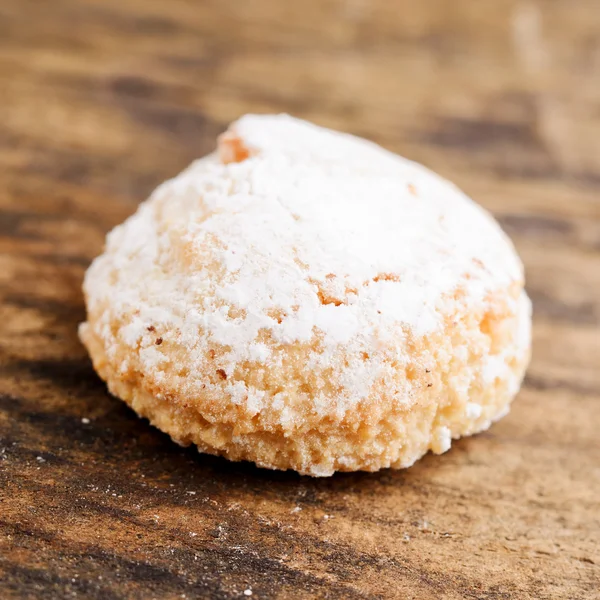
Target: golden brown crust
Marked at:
446, 375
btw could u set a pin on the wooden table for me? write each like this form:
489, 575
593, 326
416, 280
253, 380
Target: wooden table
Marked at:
100, 100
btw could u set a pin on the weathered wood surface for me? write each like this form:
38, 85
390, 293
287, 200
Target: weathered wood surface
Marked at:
100, 101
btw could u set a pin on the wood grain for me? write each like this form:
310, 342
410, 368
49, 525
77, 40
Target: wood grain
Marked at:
103, 99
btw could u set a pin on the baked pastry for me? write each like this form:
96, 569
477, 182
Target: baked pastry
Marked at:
307, 300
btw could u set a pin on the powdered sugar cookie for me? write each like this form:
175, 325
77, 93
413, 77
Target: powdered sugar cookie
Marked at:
306, 300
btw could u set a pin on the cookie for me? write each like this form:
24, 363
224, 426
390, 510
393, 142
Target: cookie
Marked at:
306, 300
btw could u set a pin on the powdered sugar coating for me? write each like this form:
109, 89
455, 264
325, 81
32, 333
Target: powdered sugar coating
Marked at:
291, 237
